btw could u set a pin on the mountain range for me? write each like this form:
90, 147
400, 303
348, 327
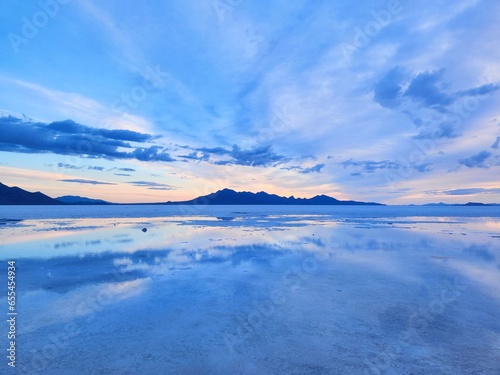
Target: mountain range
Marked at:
228, 196
17, 196
75, 199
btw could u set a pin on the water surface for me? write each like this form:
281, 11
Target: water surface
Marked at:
255, 289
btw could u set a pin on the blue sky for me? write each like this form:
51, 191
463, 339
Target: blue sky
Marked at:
391, 101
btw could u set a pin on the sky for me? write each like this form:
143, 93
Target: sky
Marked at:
394, 101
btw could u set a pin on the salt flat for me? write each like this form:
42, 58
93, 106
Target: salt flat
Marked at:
255, 290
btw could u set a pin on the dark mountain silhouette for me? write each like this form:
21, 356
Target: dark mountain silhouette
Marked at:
228, 196
18, 196
75, 199
441, 204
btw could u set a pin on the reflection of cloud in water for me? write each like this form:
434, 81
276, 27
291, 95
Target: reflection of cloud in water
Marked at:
482, 274
84, 301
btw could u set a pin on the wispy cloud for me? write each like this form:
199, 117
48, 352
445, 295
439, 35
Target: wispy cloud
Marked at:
72, 166
153, 185
314, 169
496, 144
259, 156
85, 181
483, 159
472, 191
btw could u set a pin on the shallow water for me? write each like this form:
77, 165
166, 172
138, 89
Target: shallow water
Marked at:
254, 290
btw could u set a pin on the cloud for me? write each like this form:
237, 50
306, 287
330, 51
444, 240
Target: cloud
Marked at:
387, 91
95, 168
423, 167
481, 90
471, 191
123, 174
315, 169
121, 169
68, 166
496, 144
153, 153
69, 138
215, 150
153, 185
71, 127
427, 100
444, 129
427, 88
477, 160
71, 166
370, 166
84, 181
260, 156
195, 156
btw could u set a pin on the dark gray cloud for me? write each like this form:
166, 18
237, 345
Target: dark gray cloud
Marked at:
84, 181
314, 169
477, 160
123, 174
471, 191
70, 138
260, 156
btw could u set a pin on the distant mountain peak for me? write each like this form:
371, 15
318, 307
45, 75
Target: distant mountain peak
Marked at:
17, 196
75, 199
